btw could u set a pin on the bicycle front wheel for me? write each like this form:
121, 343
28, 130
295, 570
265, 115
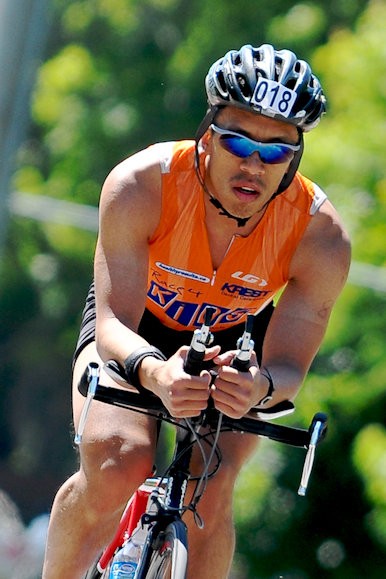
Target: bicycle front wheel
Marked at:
170, 559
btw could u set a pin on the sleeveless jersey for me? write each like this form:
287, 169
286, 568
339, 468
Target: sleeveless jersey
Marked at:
182, 281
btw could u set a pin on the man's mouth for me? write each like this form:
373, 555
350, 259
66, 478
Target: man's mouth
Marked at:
247, 190
244, 192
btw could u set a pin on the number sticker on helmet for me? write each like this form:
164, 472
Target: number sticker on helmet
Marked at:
274, 97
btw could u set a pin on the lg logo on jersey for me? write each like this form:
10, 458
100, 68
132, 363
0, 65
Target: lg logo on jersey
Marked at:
249, 278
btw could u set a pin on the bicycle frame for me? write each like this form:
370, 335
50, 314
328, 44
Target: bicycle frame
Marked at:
171, 507
135, 508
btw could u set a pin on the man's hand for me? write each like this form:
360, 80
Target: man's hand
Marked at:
183, 395
234, 393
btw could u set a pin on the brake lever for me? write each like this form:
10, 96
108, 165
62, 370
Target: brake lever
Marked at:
245, 346
202, 338
92, 376
318, 430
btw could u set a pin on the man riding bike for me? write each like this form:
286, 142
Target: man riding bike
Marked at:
224, 220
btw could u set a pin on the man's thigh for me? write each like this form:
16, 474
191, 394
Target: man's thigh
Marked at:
106, 422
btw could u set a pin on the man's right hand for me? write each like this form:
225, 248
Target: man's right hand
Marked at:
183, 395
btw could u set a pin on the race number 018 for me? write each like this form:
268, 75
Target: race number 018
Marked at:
272, 95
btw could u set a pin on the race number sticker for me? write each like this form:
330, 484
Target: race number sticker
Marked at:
273, 96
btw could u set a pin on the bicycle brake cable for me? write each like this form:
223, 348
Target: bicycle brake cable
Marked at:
203, 480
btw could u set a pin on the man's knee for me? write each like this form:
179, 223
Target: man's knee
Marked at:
111, 470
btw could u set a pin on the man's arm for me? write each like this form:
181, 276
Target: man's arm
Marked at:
130, 210
318, 273
129, 214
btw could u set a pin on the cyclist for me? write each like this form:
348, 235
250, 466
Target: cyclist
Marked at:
228, 221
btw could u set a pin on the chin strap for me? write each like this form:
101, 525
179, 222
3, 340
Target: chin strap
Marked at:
241, 221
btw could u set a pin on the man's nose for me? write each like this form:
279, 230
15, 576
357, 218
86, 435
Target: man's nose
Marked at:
253, 164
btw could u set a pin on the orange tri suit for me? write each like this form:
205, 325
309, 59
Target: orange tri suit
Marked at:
182, 281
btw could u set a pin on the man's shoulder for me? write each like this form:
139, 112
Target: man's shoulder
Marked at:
304, 195
322, 259
175, 155
327, 234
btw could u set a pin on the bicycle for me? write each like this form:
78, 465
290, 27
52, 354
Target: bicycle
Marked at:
157, 507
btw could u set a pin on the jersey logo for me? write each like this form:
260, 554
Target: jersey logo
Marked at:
190, 313
233, 289
249, 278
182, 272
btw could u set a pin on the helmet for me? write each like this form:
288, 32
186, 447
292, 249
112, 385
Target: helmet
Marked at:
273, 83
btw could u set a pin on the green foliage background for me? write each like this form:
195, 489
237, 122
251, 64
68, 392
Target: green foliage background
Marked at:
119, 75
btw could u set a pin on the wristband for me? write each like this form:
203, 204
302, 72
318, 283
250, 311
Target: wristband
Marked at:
133, 361
271, 388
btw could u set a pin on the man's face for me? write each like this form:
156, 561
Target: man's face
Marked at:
245, 185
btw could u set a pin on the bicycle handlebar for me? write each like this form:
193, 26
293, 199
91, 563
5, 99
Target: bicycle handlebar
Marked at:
132, 400
90, 387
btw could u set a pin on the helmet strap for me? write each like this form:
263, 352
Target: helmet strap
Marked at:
293, 167
241, 221
206, 122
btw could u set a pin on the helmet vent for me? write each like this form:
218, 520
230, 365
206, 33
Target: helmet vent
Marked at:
278, 68
222, 83
243, 86
297, 66
291, 83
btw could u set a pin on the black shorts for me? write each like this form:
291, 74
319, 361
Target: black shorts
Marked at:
168, 340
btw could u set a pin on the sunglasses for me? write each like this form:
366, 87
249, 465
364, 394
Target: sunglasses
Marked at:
242, 146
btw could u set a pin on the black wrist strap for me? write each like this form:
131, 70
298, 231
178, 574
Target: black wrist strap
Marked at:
271, 387
132, 362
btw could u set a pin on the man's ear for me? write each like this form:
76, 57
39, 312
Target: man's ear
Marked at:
205, 140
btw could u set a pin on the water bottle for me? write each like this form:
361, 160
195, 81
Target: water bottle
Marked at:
125, 562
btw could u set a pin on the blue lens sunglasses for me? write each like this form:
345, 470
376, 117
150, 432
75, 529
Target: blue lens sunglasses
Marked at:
242, 146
